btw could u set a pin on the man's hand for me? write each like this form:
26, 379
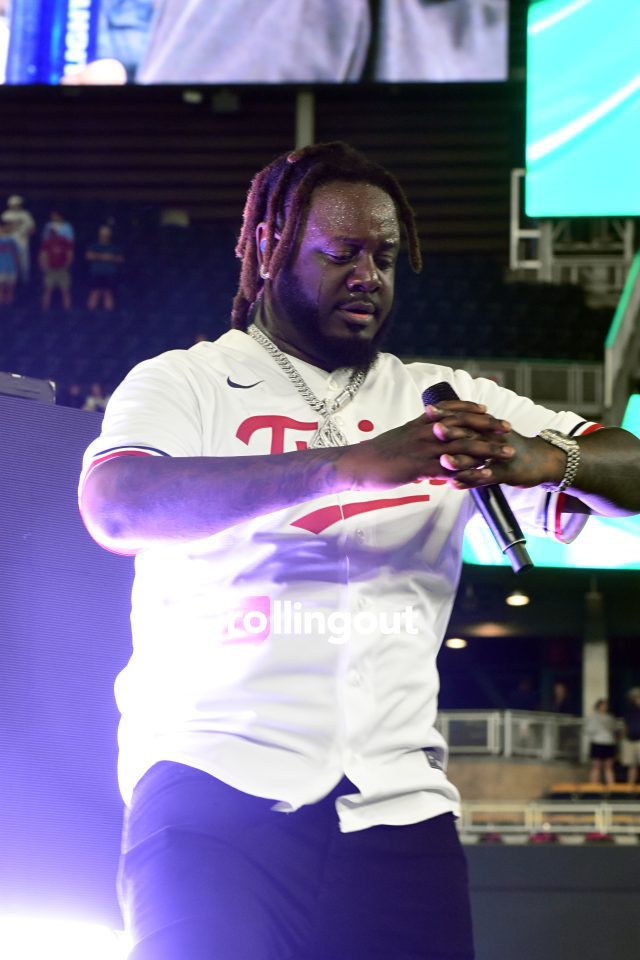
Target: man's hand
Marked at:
453, 441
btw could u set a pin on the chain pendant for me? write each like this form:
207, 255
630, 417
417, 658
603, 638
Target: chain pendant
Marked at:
328, 435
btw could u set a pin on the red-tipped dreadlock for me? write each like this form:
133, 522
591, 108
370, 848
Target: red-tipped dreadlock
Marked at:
280, 195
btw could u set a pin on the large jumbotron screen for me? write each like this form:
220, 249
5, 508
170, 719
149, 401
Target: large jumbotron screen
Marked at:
583, 108
252, 41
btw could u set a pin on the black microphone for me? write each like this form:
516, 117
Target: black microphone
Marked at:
490, 500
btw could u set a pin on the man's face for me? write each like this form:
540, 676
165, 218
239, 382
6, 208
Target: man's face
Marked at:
330, 302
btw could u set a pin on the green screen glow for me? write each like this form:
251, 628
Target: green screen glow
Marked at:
605, 543
583, 108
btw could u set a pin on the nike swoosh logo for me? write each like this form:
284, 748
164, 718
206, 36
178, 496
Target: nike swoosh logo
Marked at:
243, 386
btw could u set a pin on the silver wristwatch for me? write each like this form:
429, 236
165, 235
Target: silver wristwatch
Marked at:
572, 450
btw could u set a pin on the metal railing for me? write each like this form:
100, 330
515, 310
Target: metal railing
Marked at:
555, 384
549, 817
514, 733
621, 347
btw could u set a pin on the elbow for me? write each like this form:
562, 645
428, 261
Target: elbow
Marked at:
103, 517
106, 529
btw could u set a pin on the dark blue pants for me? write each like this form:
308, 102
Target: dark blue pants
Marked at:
210, 873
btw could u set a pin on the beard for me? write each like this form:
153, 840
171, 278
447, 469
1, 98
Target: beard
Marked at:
337, 351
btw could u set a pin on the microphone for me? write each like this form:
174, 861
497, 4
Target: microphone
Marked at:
490, 500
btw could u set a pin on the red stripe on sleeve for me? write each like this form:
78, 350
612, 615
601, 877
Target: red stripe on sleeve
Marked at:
558, 518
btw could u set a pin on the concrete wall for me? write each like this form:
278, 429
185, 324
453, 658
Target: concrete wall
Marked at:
543, 903
483, 778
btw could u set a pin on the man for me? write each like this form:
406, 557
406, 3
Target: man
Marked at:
55, 258
299, 41
105, 261
631, 720
57, 224
22, 226
8, 265
297, 520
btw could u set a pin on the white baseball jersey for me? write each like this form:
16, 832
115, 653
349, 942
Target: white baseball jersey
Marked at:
288, 650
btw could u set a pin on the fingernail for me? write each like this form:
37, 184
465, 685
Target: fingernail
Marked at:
507, 451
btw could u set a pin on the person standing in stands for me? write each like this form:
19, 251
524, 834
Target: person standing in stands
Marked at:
58, 224
9, 264
55, 259
22, 227
631, 720
601, 733
105, 260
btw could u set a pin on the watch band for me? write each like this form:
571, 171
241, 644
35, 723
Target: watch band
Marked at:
572, 449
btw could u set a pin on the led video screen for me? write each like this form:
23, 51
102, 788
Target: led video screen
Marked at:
611, 543
252, 41
583, 108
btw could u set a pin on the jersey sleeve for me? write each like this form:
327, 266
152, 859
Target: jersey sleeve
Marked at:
154, 412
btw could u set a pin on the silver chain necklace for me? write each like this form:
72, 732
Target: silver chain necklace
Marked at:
328, 433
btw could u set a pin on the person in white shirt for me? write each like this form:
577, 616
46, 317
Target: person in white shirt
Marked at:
601, 731
325, 41
22, 226
297, 517
298, 41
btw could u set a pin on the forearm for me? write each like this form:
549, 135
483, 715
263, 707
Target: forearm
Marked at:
130, 503
608, 478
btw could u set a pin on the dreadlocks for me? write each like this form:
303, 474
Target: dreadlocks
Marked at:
280, 195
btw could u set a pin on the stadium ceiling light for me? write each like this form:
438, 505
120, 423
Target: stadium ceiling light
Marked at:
517, 599
455, 643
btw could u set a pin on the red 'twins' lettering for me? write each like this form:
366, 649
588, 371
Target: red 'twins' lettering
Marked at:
278, 426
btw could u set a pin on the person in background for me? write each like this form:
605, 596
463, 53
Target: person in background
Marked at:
71, 395
631, 721
105, 260
96, 399
22, 227
524, 696
9, 265
57, 224
55, 258
297, 41
560, 698
600, 729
